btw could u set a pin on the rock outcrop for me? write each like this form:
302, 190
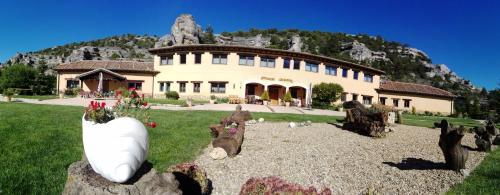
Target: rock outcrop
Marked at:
358, 51
295, 44
257, 41
184, 31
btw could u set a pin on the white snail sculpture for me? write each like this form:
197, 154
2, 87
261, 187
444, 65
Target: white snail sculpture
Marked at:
115, 149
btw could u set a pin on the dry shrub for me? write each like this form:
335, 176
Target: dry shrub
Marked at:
275, 185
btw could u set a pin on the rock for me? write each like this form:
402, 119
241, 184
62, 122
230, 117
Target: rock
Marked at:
391, 118
496, 141
387, 130
250, 122
358, 51
82, 180
308, 123
261, 120
184, 31
301, 124
295, 44
465, 172
218, 154
192, 178
292, 125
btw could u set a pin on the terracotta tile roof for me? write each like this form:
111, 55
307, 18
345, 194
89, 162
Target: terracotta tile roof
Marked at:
110, 65
412, 88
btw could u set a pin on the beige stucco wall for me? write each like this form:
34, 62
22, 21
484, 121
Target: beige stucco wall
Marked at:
91, 85
421, 103
238, 76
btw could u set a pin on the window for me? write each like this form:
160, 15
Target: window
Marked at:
343, 97
356, 74
182, 87
368, 78
395, 102
167, 60
344, 72
246, 60
382, 100
70, 84
135, 85
219, 58
164, 86
196, 87
367, 100
311, 67
354, 97
183, 58
286, 63
331, 70
296, 64
267, 62
217, 87
406, 103
197, 58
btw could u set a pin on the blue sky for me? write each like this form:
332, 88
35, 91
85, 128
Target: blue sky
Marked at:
465, 35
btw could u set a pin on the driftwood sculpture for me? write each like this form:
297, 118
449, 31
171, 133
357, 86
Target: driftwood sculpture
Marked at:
229, 134
450, 143
485, 135
359, 119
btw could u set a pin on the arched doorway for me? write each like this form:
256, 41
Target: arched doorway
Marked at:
253, 91
298, 95
276, 93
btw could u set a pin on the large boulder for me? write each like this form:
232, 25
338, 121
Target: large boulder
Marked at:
82, 180
184, 31
295, 43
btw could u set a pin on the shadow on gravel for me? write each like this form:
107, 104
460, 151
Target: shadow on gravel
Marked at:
470, 148
416, 164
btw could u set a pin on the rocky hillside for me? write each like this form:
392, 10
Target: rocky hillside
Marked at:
400, 61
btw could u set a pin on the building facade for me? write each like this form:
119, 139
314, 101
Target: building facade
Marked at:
201, 71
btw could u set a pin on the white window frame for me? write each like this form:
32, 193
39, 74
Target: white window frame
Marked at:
246, 60
267, 62
167, 60
219, 58
310, 65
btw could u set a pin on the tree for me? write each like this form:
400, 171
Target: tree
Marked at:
208, 37
44, 84
17, 76
324, 94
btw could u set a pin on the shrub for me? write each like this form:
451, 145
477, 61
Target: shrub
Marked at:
172, 95
324, 94
288, 96
413, 110
275, 185
76, 91
18, 76
399, 119
381, 108
124, 92
427, 113
9, 92
265, 96
439, 114
223, 100
212, 97
68, 92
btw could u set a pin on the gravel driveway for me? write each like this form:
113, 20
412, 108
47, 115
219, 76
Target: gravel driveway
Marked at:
407, 161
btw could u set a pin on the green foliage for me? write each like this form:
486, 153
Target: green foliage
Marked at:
44, 84
265, 96
288, 96
413, 110
324, 94
208, 36
172, 95
9, 92
18, 76
222, 100
115, 56
212, 97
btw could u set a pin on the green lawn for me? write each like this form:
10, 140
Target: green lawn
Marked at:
173, 102
39, 142
485, 179
428, 121
38, 97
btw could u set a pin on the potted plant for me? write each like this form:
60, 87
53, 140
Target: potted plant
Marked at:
265, 97
8, 93
287, 98
212, 99
115, 139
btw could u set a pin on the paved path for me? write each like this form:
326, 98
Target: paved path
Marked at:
216, 107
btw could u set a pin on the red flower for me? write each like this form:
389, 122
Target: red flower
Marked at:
147, 124
142, 95
153, 124
103, 105
145, 104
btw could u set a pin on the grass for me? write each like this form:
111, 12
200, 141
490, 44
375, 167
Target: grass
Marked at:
39, 142
173, 102
485, 179
428, 121
37, 97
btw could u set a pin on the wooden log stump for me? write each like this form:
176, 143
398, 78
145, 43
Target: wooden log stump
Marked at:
450, 142
359, 119
82, 180
228, 139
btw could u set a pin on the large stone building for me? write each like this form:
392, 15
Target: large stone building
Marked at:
199, 71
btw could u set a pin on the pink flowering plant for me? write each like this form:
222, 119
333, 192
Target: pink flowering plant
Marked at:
134, 106
231, 129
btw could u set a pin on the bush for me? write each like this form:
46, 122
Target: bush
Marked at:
413, 110
68, 92
18, 76
212, 97
324, 94
427, 113
76, 91
382, 108
223, 100
265, 96
288, 96
124, 92
9, 92
172, 95
275, 185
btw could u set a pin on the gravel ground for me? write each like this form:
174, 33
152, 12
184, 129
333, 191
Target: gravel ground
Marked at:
407, 161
